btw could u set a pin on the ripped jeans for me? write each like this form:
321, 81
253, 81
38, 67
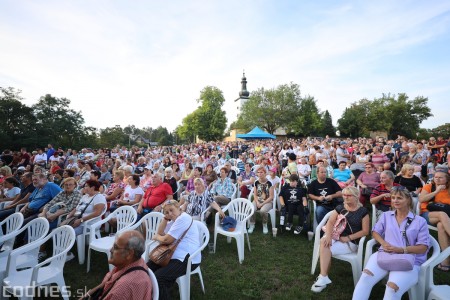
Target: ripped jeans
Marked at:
404, 280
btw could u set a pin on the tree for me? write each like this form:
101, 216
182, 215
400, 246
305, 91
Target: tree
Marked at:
57, 123
327, 124
111, 136
271, 109
211, 119
308, 121
396, 115
17, 121
188, 129
442, 130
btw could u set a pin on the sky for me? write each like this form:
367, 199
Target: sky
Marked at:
145, 62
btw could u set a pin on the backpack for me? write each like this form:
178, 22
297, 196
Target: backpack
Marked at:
338, 227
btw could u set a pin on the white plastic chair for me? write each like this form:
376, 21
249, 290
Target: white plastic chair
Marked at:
432, 291
272, 212
81, 238
155, 288
417, 291
240, 209
235, 189
184, 282
126, 216
150, 222
22, 283
355, 259
12, 226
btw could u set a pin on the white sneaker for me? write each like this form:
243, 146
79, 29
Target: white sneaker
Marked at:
251, 228
320, 284
265, 230
69, 256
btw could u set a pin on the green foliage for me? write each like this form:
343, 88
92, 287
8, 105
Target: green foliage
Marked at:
208, 121
111, 136
271, 109
308, 120
327, 124
396, 115
57, 123
443, 130
17, 121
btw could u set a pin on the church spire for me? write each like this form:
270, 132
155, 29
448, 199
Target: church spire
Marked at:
243, 94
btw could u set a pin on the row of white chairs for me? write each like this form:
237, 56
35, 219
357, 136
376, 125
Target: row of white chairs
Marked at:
425, 285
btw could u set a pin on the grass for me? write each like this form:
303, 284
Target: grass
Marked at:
276, 268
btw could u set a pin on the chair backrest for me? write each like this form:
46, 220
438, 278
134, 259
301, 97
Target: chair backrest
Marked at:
203, 233
37, 229
430, 264
63, 239
11, 223
151, 222
235, 189
240, 209
125, 216
155, 288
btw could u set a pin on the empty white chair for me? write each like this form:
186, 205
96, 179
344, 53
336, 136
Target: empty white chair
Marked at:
22, 283
184, 282
150, 223
126, 216
432, 291
82, 238
417, 292
240, 209
355, 259
155, 288
12, 225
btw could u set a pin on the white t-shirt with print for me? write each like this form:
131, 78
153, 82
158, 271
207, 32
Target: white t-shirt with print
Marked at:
130, 193
96, 199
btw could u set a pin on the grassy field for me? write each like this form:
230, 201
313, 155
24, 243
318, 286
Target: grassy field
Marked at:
276, 268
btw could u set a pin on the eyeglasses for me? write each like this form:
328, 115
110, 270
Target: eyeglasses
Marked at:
69, 184
115, 248
347, 195
398, 188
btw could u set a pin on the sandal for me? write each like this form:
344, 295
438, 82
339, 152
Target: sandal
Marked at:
443, 268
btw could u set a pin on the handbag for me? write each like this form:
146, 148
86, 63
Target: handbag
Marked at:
397, 261
71, 220
162, 254
338, 227
433, 206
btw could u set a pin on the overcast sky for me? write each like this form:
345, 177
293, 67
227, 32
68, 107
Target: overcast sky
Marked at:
145, 62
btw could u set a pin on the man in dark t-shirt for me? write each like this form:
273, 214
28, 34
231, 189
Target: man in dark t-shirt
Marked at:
326, 192
294, 197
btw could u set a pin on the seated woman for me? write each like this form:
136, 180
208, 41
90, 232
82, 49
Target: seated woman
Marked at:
263, 195
209, 174
245, 180
170, 180
171, 228
90, 206
115, 189
343, 176
95, 175
388, 233
439, 192
367, 181
187, 173
381, 194
196, 201
197, 173
65, 202
407, 179
132, 194
10, 189
357, 227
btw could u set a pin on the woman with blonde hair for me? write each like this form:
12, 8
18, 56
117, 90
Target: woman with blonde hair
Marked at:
407, 179
357, 226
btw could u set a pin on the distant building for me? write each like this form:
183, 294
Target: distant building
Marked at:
243, 96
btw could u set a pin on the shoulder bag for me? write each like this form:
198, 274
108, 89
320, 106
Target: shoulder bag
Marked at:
71, 220
397, 261
162, 254
433, 206
338, 227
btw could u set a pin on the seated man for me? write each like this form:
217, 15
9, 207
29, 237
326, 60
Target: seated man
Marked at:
326, 192
22, 198
129, 279
155, 195
294, 196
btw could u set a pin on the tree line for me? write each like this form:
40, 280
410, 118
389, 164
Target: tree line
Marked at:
51, 120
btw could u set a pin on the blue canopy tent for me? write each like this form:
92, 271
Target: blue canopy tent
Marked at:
256, 134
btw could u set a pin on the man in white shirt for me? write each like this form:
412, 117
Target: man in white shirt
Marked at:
41, 158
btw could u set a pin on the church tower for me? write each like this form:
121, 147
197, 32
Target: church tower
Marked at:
243, 95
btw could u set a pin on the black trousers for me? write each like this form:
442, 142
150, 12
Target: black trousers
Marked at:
166, 276
296, 208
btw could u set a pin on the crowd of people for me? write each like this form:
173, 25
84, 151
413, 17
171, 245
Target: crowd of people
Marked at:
195, 180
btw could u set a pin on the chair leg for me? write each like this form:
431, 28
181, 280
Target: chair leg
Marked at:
248, 242
89, 260
273, 219
183, 287
356, 273
240, 248
62, 287
215, 238
80, 249
228, 239
201, 279
315, 257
